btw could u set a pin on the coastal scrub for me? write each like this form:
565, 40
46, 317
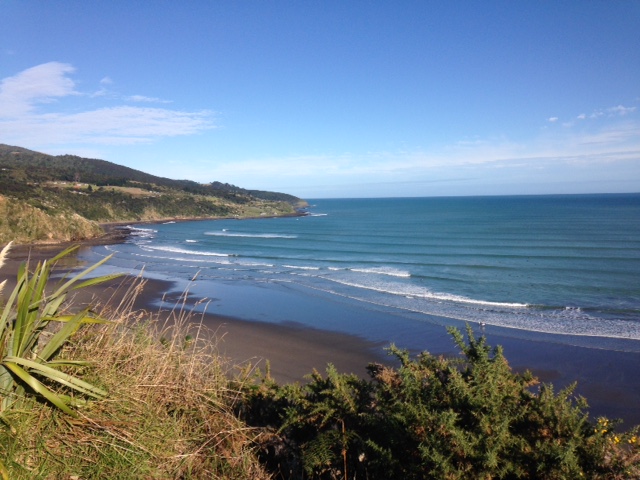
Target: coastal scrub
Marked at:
434, 417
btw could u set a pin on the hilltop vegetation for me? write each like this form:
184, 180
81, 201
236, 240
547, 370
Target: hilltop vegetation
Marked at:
45, 197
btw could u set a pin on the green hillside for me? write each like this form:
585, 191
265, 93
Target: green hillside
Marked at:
45, 197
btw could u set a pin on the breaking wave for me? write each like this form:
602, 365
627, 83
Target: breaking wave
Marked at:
225, 233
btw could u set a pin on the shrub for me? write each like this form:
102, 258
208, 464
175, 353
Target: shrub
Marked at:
437, 418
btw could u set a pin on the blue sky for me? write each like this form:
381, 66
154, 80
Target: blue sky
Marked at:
333, 98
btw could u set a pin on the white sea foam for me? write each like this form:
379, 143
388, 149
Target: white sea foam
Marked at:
225, 233
255, 264
414, 291
191, 241
188, 252
297, 267
317, 215
141, 232
383, 271
198, 260
461, 299
140, 229
516, 318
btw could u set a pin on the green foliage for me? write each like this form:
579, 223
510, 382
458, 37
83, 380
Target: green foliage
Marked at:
28, 166
28, 343
42, 197
437, 418
167, 414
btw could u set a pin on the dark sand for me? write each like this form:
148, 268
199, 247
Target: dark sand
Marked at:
292, 351
610, 380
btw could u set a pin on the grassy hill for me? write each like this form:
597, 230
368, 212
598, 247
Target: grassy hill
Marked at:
51, 198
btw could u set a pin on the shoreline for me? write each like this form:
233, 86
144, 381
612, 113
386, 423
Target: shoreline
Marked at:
292, 351
608, 379
115, 232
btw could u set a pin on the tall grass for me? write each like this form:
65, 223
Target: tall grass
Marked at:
24, 223
166, 412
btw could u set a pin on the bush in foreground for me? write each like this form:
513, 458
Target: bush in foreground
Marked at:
435, 418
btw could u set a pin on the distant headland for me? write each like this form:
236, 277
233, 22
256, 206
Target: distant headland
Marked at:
48, 199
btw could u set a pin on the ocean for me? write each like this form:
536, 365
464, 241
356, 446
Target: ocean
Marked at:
565, 268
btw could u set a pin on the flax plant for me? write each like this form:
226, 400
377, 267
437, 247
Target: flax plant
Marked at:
29, 343
168, 413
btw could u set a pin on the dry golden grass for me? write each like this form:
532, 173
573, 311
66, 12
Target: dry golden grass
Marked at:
168, 413
22, 223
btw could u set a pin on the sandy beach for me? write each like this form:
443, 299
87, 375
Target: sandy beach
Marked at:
292, 351
610, 380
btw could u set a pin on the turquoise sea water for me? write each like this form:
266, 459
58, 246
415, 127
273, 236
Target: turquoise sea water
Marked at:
561, 266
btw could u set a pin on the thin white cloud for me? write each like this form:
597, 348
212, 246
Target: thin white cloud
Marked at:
611, 112
144, 99
102, 92
107, 126
610, 148
580, 158
621, 110
23, 121
609, 137
616, 111
44, 83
